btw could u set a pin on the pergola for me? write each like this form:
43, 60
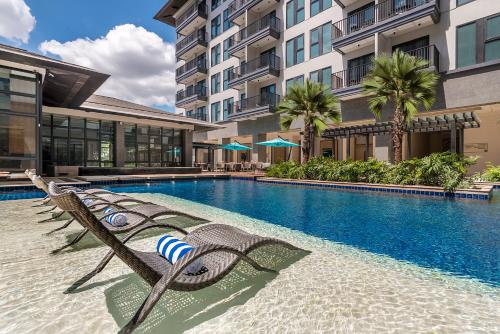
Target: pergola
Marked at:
206, 146
454, 122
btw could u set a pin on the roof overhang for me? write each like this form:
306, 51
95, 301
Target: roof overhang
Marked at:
167, 12
65, 84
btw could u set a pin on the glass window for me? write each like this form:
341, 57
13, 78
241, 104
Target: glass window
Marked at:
227, 106
215, 112
317, 6
155, 146
17, 103
295, 12
130, 145
321, 40
225, 83
215, 83
295, 51
314, 49
463, 2
215, 4
297, 80
492, 44
215, 55
17, 136
215, 27
227, 24
466, 45
226, 55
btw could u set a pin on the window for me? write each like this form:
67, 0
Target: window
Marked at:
215, 83
201, 113
227, 24
466, 45
215, 112
130, 145
361, 17
492, 43
215, 4
463, 2
227, 106
295, 12
215, 27
321, 40
227, 73
295, 51
225, 51
317, 6
323, 76
297, 80
215, 55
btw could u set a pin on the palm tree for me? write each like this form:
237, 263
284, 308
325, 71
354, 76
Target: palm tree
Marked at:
315, 104
401, 80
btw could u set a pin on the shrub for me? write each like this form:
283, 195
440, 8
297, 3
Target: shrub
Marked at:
446, 170
491, 174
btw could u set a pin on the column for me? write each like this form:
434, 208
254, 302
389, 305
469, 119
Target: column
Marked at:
188, 148
348, 148
453, 138
120, 144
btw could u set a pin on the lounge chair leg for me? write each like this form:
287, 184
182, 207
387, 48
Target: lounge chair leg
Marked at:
74, 241
41, 199
47, 211
62, 227
51, 218
44, 203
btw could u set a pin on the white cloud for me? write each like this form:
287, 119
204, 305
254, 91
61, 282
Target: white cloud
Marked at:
16, 21
141, 64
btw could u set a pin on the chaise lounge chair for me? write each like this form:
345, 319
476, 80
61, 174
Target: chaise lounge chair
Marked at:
221, 247
139, 215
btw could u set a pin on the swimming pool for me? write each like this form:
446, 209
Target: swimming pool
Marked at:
459, 237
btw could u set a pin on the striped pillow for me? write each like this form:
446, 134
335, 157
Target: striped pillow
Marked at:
174, 249
115, 219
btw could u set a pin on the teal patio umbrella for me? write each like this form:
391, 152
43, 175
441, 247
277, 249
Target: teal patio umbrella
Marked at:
279, 142
235, 146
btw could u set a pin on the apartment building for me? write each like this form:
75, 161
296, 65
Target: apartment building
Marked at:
237, 58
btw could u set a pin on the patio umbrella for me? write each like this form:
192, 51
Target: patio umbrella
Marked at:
279, 142
235, 146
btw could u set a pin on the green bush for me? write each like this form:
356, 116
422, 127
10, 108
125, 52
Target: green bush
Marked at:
491, 174
439, 169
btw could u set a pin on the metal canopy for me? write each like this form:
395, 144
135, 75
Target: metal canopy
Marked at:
446, 122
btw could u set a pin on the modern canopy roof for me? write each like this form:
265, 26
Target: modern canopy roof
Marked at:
167, 12
65, 85
462, 120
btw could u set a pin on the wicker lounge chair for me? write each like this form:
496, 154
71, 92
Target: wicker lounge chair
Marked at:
220, 246
139, 215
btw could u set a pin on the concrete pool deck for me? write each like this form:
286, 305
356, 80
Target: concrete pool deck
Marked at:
334, 289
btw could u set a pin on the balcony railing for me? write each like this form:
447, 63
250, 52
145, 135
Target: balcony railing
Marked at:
350, 77
270, 61
268, 21
200, 64
201, 9
374, 14
190, 91
255, 102
353, 76
198, 115
199, 35
429, 53
235, 5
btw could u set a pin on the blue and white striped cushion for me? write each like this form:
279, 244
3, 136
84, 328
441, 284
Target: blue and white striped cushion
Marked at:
87, 201
174, 249
115, 219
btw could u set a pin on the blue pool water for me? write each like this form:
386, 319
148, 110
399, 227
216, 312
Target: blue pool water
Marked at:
460, 237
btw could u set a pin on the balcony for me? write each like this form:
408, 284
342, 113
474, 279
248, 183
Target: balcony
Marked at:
201, 116
194, 70
260, 69
358, 29
347, 83
191, 45
237, 8
257, 34
254, 107
192, 19
191, 96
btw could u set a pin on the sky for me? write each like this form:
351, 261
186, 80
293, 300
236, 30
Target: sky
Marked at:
118, 37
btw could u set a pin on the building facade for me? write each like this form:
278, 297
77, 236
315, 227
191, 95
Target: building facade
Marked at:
237, 58
52, 120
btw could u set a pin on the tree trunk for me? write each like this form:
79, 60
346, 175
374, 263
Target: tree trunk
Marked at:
306, 145
397, 135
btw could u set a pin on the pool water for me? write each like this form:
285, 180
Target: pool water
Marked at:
458, 237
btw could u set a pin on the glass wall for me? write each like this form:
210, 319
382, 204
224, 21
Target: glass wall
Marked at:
71, 141
149, 146
18, 118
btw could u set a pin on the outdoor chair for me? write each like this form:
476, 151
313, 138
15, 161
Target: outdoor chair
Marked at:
219, 246
140, 215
